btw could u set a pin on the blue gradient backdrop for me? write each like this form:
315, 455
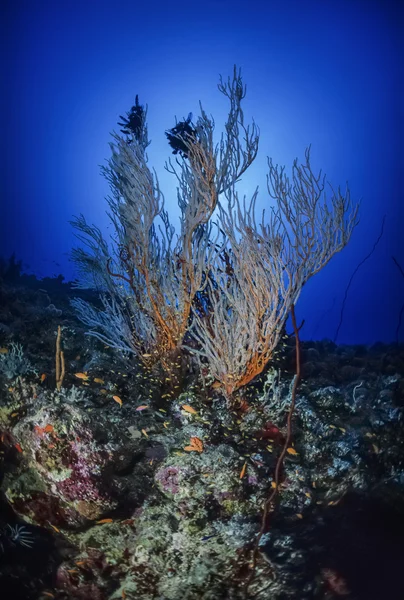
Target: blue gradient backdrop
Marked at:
325, 73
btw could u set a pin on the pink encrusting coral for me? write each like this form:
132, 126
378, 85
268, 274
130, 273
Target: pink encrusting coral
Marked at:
168, 479
66, 466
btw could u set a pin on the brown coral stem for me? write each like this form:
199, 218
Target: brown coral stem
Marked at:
60, 361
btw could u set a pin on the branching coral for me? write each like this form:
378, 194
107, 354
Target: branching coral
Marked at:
151, 280
149, 277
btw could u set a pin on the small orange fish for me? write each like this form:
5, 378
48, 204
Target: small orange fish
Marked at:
98, 380
118, 400
145, 432
41, 430
54, 528
18, 447
243, 470
3, 351
83, 376
189, 409
14, 414
48, 594
142, 407
195, 446
291, 451
123, 594
104, 521
43, 377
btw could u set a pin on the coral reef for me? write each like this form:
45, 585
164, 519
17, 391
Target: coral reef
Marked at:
113, 490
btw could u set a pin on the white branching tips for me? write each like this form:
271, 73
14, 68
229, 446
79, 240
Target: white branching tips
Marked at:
311, 226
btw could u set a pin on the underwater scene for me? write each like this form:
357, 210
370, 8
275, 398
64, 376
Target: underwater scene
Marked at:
202, 393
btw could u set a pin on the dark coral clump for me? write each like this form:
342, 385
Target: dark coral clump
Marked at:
180, 135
